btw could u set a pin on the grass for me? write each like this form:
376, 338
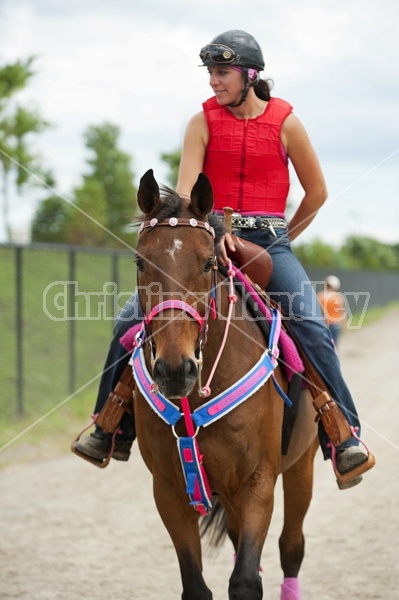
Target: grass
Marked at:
46, 345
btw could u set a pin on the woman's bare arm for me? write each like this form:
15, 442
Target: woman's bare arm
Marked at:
307, 167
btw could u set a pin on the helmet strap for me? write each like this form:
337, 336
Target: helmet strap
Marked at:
248, 83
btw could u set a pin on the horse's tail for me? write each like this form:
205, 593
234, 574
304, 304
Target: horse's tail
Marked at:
214, 525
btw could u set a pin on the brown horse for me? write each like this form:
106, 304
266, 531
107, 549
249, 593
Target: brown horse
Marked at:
241, 451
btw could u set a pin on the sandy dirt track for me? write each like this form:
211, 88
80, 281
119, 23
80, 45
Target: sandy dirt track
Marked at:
69, 531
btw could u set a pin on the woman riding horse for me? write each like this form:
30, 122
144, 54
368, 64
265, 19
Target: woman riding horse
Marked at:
243, 140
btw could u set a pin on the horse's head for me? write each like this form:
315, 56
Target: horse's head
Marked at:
175, 260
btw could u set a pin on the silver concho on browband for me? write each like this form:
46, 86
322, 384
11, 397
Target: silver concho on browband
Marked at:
173, 221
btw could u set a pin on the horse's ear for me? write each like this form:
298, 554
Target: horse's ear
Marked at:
202, 195
148, 194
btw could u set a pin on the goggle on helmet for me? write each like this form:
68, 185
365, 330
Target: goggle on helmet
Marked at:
233, 47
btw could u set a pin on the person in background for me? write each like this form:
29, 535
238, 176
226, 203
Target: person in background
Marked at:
334, 306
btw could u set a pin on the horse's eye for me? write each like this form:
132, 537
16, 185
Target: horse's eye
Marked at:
209, 264
139, 263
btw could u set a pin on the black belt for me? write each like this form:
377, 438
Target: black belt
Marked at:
239, 222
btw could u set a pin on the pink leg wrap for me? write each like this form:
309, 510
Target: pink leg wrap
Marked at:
290, 589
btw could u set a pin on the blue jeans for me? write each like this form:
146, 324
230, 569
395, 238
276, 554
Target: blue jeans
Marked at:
290, 287
116, 361
335, 329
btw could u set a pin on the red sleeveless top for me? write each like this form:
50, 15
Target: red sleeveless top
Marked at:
245, 160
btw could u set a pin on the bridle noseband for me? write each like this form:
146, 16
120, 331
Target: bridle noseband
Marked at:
180, 305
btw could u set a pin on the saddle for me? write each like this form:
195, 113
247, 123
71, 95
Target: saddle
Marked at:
253, 260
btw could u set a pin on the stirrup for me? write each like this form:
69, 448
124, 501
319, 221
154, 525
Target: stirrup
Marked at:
101, 464
344, 478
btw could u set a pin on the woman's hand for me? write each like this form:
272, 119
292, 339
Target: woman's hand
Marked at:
225, 245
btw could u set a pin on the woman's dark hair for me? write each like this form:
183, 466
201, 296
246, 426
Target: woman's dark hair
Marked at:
263, 88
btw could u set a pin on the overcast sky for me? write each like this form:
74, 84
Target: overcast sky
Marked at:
135, 63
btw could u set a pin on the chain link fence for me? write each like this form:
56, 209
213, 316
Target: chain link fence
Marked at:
57, 306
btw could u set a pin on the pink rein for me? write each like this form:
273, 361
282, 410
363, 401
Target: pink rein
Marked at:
204, 391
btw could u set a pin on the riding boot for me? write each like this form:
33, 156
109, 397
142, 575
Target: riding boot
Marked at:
349, 463
108, 441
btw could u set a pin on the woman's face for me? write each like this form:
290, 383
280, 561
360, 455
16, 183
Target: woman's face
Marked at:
226, 83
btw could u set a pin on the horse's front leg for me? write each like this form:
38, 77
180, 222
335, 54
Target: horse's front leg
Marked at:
181, 521
298, 483
255, 507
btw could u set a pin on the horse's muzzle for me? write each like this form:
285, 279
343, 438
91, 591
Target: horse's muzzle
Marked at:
175, 382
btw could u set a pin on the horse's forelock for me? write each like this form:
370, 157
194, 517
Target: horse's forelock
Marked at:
171, 205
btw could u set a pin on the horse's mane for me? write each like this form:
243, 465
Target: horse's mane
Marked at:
172, 205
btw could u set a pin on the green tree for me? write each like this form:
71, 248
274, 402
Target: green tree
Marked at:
87, 217
17, 126
367, 253
111, 168
14, 77
172, 159
102, 207
317, 254
51, 221
356, 253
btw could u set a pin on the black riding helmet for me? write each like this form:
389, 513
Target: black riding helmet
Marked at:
234, 47
238, 48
